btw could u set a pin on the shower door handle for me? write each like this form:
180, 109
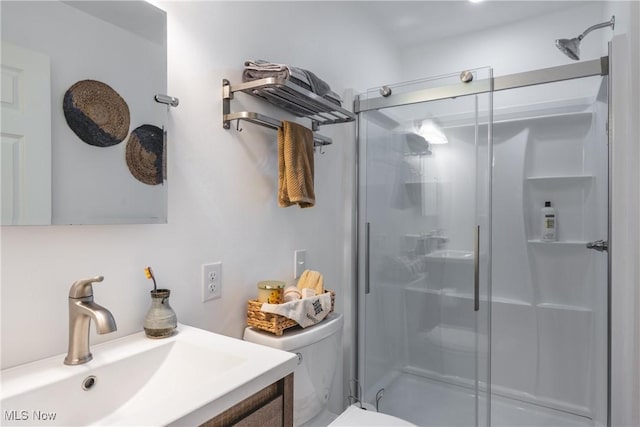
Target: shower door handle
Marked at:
476, 269
367, 239
367, 235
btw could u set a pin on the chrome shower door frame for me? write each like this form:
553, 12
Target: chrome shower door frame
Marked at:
596, 67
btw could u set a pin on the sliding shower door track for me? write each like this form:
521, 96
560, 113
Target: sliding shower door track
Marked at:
596, 67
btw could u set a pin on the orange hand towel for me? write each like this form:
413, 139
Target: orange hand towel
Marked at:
295, 166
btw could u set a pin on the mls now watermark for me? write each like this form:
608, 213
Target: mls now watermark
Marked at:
22, 415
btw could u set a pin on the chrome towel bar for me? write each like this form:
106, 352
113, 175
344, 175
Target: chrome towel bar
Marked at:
269, 122
288, 96
166, 99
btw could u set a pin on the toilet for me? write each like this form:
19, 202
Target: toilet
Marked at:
318, 348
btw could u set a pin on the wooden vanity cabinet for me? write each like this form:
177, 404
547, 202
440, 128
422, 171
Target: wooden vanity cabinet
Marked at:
270, 407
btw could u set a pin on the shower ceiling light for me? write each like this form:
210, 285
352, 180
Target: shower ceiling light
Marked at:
430, 131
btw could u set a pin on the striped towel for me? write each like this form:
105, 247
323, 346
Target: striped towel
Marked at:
295, 166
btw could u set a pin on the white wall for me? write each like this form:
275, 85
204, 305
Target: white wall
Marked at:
222, 186
520, 46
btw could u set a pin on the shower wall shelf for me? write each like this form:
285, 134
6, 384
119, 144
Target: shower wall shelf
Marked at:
560, 178
559, 242
288, 96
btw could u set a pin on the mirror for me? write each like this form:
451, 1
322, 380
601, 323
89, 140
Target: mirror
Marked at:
104, 61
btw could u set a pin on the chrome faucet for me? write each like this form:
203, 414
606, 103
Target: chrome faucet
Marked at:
81, 310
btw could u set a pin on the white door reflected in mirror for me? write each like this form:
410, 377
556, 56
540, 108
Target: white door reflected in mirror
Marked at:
25, 137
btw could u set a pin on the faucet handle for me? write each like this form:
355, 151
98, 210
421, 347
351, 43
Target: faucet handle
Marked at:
82, 288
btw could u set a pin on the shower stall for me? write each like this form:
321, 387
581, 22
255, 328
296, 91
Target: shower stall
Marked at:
466, 315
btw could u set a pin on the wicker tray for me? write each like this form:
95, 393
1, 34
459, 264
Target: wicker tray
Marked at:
270, 322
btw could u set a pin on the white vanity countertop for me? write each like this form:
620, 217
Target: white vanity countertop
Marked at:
186, 379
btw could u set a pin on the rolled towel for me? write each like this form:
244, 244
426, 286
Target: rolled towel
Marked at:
261, 64
292, 293
318, 85
308, 293
260, 69
331, 96
312, 280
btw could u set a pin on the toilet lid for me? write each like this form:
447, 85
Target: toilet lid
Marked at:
354, 416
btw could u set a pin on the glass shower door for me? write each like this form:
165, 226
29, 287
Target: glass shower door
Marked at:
424, 288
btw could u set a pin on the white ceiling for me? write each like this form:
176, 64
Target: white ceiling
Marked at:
413, 22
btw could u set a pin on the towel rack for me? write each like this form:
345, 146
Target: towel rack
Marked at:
288, 96
266, 121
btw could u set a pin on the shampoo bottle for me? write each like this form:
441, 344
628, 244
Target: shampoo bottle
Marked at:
548, 223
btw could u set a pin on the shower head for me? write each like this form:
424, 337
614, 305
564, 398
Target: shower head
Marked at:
571, 47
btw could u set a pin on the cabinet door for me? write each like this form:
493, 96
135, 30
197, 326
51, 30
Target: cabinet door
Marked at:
270, 415
271, 406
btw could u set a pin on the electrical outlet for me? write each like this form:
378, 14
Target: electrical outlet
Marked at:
211, 281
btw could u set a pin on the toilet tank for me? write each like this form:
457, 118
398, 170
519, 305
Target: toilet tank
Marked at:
319, 348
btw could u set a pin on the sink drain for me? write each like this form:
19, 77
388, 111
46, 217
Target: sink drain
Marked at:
89, 382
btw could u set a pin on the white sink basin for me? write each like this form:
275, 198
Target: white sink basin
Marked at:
182, 380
